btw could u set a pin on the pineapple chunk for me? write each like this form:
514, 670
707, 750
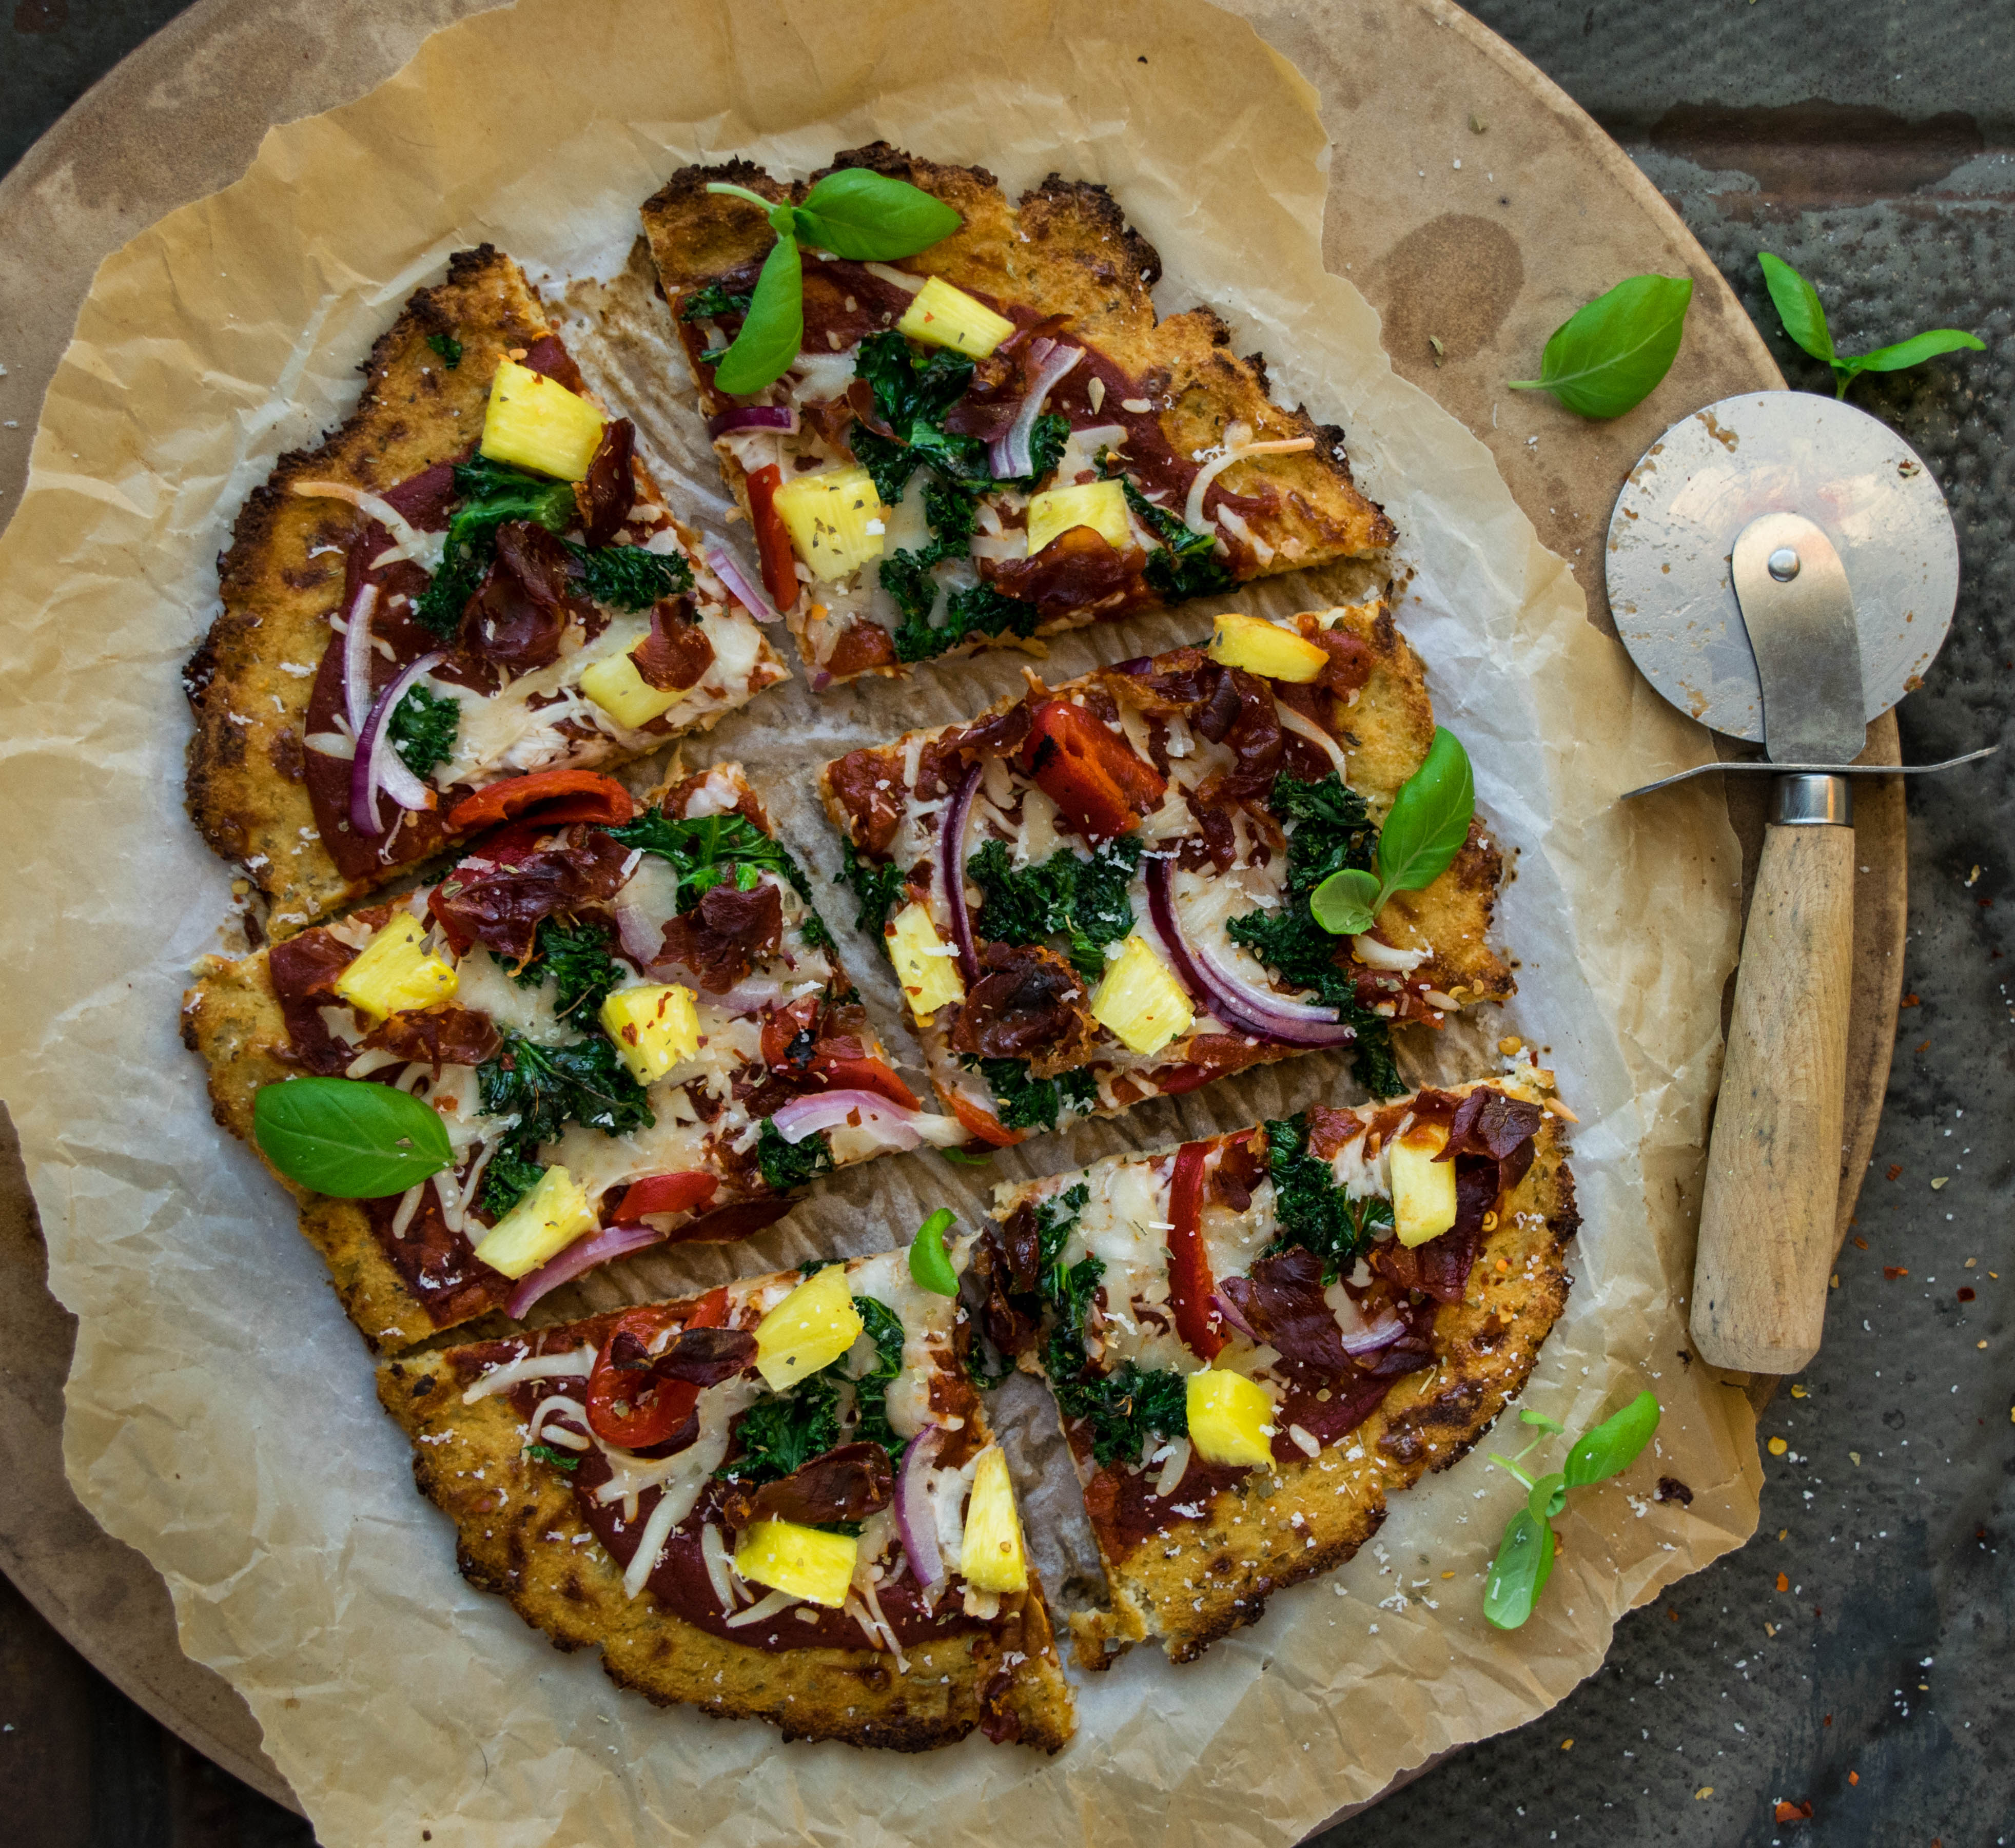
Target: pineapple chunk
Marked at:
535, 422
835, 519
1139, 1002
944, 316
1423, 1188
993, 1558
394, 973
810, 1329
615, 685
807, 1562
542, 1225
926, 965
654, 1026
1100, 504
1261, 647
1231, 1418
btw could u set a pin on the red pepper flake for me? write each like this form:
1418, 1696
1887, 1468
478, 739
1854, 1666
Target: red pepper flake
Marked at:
1790, 1812
1926, 1047
1893, 1271
1818, 1611
1861, 1244
1895, 1168
1673, 1614
1783, 1581
1965, 1294
1854, 1777
1909, 1000
1827, 1721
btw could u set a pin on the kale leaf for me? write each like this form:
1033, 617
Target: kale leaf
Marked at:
576, 956
448, 347
871, 1390
878, 887
788, 1166
490, 493
559, 1459
1332, 828
813, 929
911, 387
547, 1086
1084, 899
512, 1173
1312, 1211
1028, 1103
705, 849
424, 727
631, 576
711, 301
782, 1431
1186, 563
890, 464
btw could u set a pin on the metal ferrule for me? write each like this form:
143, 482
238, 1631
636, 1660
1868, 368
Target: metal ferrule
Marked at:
1808, 801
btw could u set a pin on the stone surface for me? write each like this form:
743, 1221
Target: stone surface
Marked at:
1873, 147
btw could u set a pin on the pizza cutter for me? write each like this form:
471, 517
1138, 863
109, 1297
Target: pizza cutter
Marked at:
1783, 568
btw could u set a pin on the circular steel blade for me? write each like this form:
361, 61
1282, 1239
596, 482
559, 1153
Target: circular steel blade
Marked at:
1707, 477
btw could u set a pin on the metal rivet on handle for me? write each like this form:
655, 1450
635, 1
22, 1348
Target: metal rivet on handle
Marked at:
1784, 564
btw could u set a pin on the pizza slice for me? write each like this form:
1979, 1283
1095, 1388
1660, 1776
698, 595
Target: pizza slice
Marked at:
996, 438
473, 579
631, 1028
778, 1501
1102, 892
1256, 1338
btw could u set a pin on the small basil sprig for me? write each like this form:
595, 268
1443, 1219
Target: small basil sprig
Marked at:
348, 1139
1524, 1559
1425, 831
930, 1263
1799, 309
856, 213
1606, 358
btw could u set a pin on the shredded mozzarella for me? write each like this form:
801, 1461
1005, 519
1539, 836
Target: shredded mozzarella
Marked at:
774, 1605
1236, 449
1374, 954
720, 1568
1172, 1471
1303, 727
423, 548
578, 1364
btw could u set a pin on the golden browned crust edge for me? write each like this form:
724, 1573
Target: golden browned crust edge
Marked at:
1200, 1581
517, 1529
1066, 248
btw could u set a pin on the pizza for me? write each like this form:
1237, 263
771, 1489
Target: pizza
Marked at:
1100, 892
996, 438
1256, 1338
633, 1027
474, 578
778, 1501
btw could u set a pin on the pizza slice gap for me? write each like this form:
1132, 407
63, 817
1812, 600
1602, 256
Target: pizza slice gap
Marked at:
470, 590
1137, 850
996, 439
778, 1501
1256, 1339
632, 1028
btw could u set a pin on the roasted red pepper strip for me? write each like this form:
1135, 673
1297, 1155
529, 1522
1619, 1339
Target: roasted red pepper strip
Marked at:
1101, 784
866, 1074
1189, 1281
773, 537
660, 1407
560, 796
666, 1193
983, 1124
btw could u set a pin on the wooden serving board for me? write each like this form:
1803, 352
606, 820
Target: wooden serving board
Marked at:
1469, 199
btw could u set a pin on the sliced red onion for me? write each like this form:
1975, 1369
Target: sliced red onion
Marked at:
357, 657
1238, 1004
916, 1519
749, 997
378, 766
583, 1255
776, 417
1010, 456
1369, 1337
647, 902
743, 588
951, 870
896, 1125
1229, 1309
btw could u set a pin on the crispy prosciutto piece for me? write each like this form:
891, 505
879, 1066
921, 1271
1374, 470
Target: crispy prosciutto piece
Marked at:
725, 935
610, 490
676, 653
303, 972
442, 1036
1078, 569
1491, 1143
526, 602
500, 904
847, 1484
1030, 1003
638, 1400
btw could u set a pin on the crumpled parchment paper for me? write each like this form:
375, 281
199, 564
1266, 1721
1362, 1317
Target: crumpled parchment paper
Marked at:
221, 1418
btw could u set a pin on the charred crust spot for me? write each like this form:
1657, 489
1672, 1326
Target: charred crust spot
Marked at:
689, 183
1096, 207
884, 157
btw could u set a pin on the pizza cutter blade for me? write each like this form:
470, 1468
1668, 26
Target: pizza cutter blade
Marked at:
1783, 567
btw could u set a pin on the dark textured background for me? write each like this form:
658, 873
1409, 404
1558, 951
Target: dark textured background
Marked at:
1871, 143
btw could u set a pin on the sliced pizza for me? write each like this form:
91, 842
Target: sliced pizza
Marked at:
997, 438
631, 1028
474, 578
1102, 892
780, 1501
1256, 1338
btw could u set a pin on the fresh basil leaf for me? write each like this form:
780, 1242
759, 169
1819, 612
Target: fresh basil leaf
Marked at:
1430, 818
1548, 1495
1798, 306
774, 328
930, 1263
1528, 1416
1347, 902
965, 1159
1606, 358
1916, 350
1518, 1574
871, 217
1613, 1445
349, 1139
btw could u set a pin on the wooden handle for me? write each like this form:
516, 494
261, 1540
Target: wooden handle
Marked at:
1767, 1223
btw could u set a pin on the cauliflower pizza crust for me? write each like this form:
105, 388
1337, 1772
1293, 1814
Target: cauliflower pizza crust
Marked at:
1164, 402
774, 1012
269, 767
523, 1532
1226, 768
1187, 1561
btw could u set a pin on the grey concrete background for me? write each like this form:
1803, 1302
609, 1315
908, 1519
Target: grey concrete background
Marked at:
1873, 145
